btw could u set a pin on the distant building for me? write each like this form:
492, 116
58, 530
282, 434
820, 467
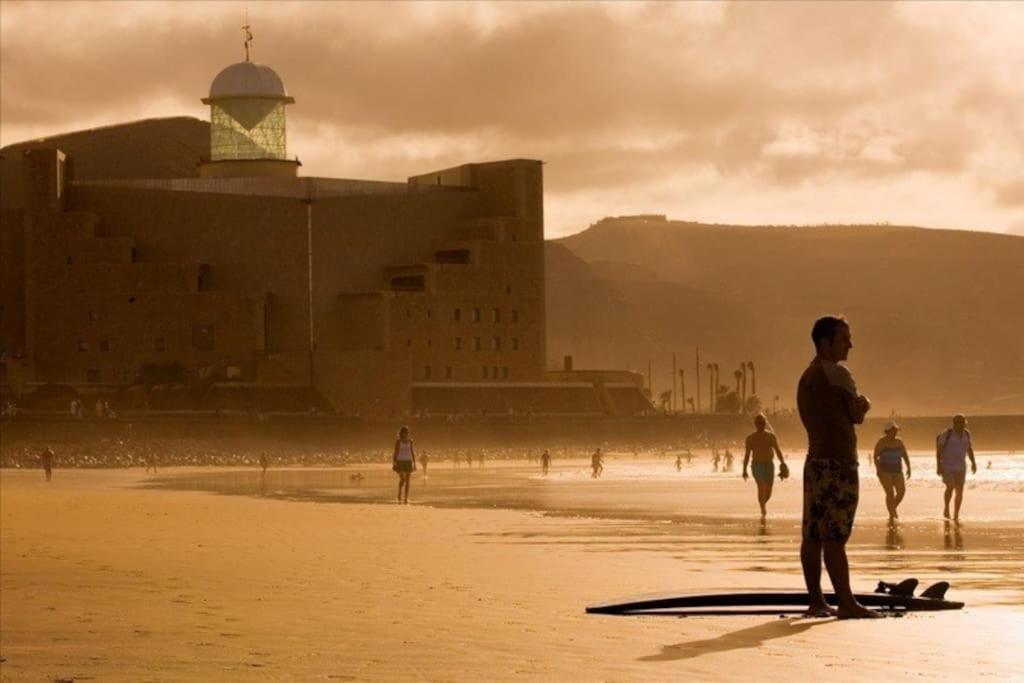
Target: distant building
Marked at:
123, 250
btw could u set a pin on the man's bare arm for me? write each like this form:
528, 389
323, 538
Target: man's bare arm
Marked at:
857, 407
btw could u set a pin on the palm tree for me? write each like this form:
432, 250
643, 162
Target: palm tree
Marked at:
743, 396
711, 387
718, 382
739, 377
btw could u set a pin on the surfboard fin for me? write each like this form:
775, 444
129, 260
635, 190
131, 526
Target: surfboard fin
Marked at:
904, 588
936, 591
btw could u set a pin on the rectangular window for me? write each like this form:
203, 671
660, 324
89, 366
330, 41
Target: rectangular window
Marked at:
93, 376
476, 315
477, 344
515, 315
483, 368
202, 338
93, 316
426, 372
504, 372
458, 314
515, 343
159, 344
496, 344
104, 345
83, 345
448, 372
204, 372
496, 315
233, 372
494, 372
458, 343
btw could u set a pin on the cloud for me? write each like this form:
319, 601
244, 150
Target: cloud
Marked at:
621, 100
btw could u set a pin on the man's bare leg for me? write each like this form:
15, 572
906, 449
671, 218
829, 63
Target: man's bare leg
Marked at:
810, 560
839, 572
947, 496
957, 502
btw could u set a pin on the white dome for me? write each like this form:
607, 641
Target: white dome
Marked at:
246, 79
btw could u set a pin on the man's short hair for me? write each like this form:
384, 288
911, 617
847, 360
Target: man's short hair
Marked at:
825, 328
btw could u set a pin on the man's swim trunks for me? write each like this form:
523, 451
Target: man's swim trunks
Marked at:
763, 470
831, 492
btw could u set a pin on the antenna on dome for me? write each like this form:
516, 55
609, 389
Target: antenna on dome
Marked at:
248, 36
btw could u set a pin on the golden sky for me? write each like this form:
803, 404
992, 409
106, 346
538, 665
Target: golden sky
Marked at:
728, 112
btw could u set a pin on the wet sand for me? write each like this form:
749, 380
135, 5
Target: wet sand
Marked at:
103, 577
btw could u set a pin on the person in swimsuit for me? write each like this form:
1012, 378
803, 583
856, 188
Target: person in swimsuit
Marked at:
830, 406
403, 461
890, 456
545, 462
596, 464
762, 446
952, 448
424, 460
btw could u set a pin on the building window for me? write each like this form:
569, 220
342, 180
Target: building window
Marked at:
233, 372
426, 372
159, 344
68, 260
458, 343
508, 289
408, 342
131, 299
476, 315
515, 343
448, 372
504, 372
515, 315
93, 376
483, 369
496, 315
202, 338
430, 343
83, 345
477, 345
93, 316
408, 313
430, 314
494, 372
104, 345
457, 315
204, 372
496, 344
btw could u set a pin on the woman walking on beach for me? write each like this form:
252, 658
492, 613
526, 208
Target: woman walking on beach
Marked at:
403, 461
890, 456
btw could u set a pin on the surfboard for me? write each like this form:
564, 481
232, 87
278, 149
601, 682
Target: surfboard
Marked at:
692, 603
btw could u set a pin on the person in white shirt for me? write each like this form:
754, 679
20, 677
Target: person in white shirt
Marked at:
403, 462
952, 448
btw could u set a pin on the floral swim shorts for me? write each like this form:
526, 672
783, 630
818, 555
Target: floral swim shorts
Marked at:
831, 492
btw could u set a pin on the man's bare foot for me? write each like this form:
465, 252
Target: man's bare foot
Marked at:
857, 611
821, 611
945, 514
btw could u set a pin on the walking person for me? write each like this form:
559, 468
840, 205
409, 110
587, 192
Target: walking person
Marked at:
761, 448
424, 460
47, 457
952, 448
889, 458
830, 406
403, 461
545, 462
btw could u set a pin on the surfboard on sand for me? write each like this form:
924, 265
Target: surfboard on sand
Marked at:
779, 602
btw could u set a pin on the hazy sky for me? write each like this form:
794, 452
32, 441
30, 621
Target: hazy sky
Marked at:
746, 113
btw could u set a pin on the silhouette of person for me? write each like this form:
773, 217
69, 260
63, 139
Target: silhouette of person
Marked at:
830, 406
403, 462
264, 462
889, 457
596, 464
952, 447
47, 457
545, 462
424, 460
761, 448
679, 462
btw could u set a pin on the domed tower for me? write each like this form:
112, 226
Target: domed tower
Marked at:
248, 135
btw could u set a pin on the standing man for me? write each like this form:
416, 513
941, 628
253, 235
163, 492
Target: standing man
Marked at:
952, 447
424, 460
596, 464
47, 457
545, 462
830, 406
763, 446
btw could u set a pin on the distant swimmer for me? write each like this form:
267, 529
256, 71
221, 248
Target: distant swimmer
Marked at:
952, 448
403, 461
545, 462
47, 457
830, 405
424, 460
596, 464
890, 456
761, 448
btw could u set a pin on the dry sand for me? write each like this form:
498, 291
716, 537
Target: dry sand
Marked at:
101, 580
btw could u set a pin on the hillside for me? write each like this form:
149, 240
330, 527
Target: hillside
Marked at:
935, 314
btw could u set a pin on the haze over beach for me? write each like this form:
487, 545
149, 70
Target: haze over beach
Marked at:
492, 341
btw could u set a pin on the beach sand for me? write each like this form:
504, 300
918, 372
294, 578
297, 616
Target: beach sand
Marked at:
102, 579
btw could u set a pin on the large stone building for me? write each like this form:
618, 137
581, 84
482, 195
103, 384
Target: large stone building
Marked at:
188, 253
